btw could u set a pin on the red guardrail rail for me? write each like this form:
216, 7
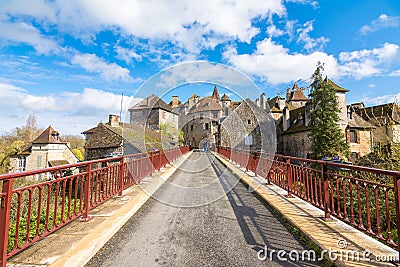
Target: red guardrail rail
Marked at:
30, 213
365, 198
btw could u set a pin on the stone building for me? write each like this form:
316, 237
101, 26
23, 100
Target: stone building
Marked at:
47, 150
116, 138
296, 97
199, 118
153, 112
248, 127
293, 127
385, 118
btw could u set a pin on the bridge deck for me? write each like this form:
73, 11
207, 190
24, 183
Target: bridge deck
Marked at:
192, 222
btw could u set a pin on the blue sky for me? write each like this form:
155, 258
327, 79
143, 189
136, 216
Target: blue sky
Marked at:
68, 61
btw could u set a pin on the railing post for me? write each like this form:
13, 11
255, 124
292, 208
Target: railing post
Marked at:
86, 216
289, 178
397, 199
121, 176
326, 192
5, 219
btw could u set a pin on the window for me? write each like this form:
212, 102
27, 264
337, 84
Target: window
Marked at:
22, 164
201, 116
191, 127
206, 126
353, 136
248, 140
248, 121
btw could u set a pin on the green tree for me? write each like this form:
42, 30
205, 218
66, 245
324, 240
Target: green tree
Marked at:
326, 137
78, 153
15, 142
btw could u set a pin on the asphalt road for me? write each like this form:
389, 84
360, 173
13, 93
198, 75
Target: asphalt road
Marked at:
191, 221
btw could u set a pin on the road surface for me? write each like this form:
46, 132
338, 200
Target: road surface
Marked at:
192, 222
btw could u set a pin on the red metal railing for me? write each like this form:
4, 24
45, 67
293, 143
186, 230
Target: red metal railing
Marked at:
362, 197
30, 213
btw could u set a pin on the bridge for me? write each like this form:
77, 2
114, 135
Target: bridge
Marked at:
181, 207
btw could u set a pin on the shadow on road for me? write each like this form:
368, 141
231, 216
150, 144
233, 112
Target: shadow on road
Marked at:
260, 226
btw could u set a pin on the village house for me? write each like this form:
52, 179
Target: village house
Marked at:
199, 118
385, 118
47, 150
115, 138
153, 113
293, 125
248, 127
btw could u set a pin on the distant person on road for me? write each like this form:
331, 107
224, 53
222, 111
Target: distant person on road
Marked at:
205, 148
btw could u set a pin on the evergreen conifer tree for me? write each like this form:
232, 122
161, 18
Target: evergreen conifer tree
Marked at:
326, 137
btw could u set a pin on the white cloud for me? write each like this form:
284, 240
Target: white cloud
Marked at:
383, 21
311, 44
313, 3
184, 22
94, 64
273, 31
200, 72
127, 55
395, 73
366, 62
85, 108
21, 32
276, 64
379, 100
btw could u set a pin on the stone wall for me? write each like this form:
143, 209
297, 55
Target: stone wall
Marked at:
396, 133
246, 123
139, 116
297, 144
196, 132
363, 145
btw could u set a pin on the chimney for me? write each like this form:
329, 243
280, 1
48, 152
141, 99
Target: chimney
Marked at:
257, 102
113, 120
287, 95
175, 101
286, 119
263, 101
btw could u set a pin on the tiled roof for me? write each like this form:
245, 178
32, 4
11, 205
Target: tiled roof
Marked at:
356, 121
335, 86
225, 97
215, 93
105, 136
273, 101
381, 113
297, 95
206, 104
152, 101
275, 110
49, 136
297, 125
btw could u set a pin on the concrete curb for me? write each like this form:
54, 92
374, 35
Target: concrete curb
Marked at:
306, 218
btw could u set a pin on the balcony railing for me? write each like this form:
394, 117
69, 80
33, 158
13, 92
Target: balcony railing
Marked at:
365, 198
30, 213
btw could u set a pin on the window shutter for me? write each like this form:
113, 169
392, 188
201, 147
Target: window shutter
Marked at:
358, 136
348, 136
